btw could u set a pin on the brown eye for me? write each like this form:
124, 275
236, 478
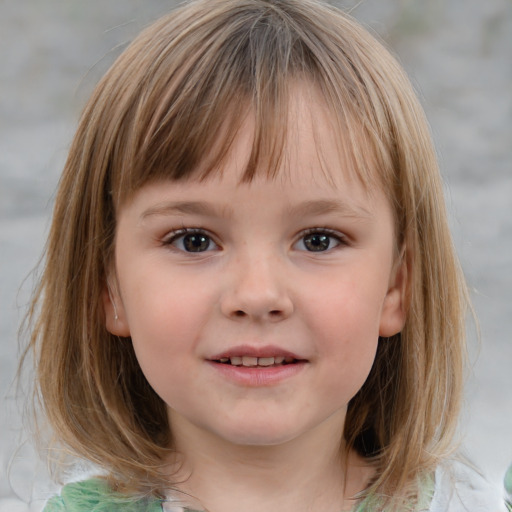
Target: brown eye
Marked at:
191, 241
320, 240
196, 242
317, 242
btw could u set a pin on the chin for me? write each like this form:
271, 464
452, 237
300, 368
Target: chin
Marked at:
257, 434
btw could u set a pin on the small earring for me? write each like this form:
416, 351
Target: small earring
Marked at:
116, 317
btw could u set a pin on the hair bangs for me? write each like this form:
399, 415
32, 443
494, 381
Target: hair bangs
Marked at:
190, 98
182, 115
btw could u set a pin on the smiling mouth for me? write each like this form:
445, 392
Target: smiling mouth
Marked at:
257, 362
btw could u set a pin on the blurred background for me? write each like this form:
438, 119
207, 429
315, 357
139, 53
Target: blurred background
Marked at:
459, 56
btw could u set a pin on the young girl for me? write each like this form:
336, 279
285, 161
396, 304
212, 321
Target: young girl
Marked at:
251, 299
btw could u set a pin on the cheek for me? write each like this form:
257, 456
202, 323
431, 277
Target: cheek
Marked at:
345, 324
349, 308
160, 298
349, 352
165, 318
164, 337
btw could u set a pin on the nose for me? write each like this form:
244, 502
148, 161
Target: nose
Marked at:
257, 290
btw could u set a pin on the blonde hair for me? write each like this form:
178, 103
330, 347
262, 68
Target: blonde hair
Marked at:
156, 114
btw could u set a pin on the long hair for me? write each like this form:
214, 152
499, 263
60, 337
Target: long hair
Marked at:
178, 93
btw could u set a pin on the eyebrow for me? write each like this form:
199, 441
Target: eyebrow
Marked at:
315, 207
326, 206
184, 208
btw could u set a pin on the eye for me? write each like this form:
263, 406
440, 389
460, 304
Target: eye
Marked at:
319, 240
191, 240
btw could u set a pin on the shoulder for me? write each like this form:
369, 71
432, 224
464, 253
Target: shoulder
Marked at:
94, 495
460, 488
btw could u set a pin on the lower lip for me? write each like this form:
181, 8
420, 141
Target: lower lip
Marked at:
258, 376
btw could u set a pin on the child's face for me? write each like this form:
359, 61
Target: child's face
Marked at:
255, 309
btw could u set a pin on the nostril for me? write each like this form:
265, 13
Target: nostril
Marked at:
275, 313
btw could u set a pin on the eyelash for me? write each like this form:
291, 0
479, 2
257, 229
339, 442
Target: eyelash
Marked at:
341, 240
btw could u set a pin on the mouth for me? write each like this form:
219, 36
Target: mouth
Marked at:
257, 362
261, 366
249, 356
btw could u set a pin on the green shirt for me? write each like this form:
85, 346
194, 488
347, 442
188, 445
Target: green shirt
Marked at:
95, 496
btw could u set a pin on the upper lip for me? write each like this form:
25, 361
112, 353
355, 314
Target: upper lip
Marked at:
252, 351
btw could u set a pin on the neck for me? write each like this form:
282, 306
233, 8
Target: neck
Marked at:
312, 472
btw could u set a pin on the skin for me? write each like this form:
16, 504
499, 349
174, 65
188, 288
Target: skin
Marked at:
271, 442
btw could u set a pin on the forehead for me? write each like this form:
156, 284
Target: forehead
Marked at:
315, 170
198, 86
310, 146
310, 142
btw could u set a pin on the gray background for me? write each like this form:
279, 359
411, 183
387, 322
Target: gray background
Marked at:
459, 56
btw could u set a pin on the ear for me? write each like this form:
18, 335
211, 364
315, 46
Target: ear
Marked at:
394, 309
115, 316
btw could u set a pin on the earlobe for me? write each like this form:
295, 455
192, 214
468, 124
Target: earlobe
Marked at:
394, 310
115, 318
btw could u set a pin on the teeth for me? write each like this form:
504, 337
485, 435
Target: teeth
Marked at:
250, 361
266, 361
